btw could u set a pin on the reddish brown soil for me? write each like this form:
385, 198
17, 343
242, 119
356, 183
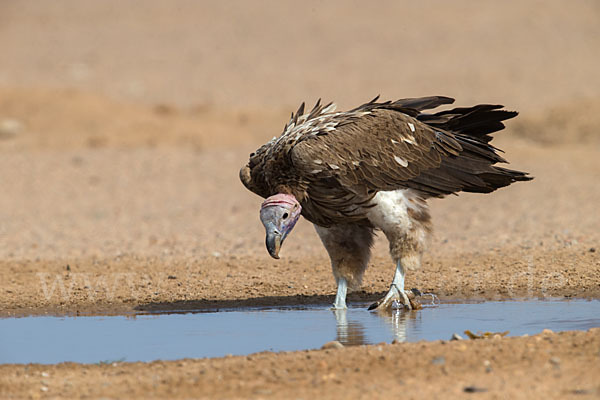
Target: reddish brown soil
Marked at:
122, 130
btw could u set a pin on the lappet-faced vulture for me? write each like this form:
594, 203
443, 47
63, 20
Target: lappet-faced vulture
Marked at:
373, 168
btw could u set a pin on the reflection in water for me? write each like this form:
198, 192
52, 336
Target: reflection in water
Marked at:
353, 333
349, 333
400, 321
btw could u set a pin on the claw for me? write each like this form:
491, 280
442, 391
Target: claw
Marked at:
375, 305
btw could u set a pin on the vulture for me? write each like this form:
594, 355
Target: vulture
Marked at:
372, 169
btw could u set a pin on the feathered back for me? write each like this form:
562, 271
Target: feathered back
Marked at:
335, 162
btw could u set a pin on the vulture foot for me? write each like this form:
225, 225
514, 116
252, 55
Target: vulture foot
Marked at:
405, 298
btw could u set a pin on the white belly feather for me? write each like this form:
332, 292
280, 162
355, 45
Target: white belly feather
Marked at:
404, 218
391, 210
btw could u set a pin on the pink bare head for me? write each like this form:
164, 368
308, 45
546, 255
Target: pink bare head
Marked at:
279, 214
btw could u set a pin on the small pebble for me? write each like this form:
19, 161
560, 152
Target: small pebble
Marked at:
9, 128
44, 388
592, 249
45, 374
456, 336
581, 391
488, 366
548, 332
438, 361
474, 389
334, 344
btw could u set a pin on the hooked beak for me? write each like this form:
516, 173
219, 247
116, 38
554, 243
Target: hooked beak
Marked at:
273, 242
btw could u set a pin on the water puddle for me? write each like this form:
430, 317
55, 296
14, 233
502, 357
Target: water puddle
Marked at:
212, 334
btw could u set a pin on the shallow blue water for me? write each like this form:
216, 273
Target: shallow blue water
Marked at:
193, 335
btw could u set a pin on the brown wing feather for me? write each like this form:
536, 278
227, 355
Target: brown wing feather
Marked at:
382, 150
334, 163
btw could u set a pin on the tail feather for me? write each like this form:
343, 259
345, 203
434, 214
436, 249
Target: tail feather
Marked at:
472, 170
478, 121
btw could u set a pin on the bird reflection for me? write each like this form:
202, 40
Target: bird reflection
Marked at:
353, 333
349, 333
399, 320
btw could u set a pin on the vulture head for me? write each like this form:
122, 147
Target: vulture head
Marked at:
279, 214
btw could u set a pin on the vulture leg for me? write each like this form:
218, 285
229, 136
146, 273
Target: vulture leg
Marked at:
349, 248
404, 218
340, 296
397, 293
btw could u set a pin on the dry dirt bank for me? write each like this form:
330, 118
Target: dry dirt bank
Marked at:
126, 284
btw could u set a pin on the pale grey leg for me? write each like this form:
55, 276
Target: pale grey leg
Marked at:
340, 297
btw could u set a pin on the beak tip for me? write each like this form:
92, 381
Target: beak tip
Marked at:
273, 245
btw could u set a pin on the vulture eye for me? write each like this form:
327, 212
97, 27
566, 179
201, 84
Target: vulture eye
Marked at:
285, 215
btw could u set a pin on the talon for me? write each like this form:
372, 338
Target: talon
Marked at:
414, 304
375, 305
406, 300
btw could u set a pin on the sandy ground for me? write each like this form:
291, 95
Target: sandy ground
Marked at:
122, 130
